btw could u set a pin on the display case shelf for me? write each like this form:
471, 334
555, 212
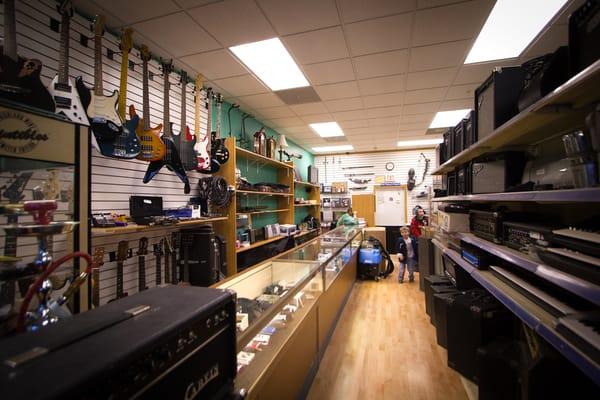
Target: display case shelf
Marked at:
254, 192
307, 205
258, 244
562, 109
132, 228
308, 184
547, 196
263, 211
251, 156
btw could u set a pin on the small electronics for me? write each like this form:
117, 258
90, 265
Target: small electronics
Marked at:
179, 213
463, 179
497, 173
521, 236
496, 100
543, 75
474, 255
583, 330
256, 235
103, 220
584, 36
313, 174
287, 229
459, 277
486, 225
587, 242
165, 342
453, 218
271, 231
448, 138
143, 208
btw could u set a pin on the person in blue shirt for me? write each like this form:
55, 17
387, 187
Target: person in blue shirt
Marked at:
347, 219
408, 254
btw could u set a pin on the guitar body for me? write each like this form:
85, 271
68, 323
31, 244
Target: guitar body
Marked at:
101, 112
67, 101
125, 145
172, 161
20, 82
152, 147
203, 156
189, 159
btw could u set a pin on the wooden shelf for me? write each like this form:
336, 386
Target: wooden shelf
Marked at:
259, 243
547, 196
563, 109
248, 192
264, 211
300, 183
260, 159
307, 205
131, 228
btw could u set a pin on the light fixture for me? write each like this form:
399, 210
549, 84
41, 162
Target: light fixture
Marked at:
327, 129
420, 142
271, 63
510, 27
329, 149
283, 144
444, 119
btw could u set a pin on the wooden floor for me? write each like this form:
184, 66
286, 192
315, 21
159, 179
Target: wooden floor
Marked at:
385, 348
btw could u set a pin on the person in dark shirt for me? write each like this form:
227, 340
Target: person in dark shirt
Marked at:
408, 254
419, 220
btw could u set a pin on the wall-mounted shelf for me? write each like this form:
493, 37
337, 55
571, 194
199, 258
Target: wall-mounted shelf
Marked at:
253, 192
132, 228
251, 156
263, 211
547, 196
308, 184
563, 109
307, 205
259, 243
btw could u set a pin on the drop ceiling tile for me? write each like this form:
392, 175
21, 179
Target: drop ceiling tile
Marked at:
139, 10
215, 64
430, 79
462, 91
169, 32
384, 84
374, 65
438, 56
315, 118
293, 16
192, 3
298, 130
474, 73
276, 112
330, 72
338, 90
384, 111
424, 95
233, 22
241, 85
355, 103
449, 23
218, 89
350, 115
377, 35
384, 121
449, 105
421, 108
284, 122
356, 10
413, 118
317, 46
309, 108
411, 132
263, 100
435, 3
359, 123
416, 126
384, 100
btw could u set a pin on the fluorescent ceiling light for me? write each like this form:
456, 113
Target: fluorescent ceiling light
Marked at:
510, 27
444, 119
272, 63
327, 129
422, 142
328, 149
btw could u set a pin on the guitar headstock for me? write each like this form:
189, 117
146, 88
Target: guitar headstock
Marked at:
98, 257
199, 83
167, 66
122, 250
175, 239
143, 247
168, 245
65, 8
145, 54
219, 98
14, 191
51, 186
158, 248
98, 26
183, 78
126, 41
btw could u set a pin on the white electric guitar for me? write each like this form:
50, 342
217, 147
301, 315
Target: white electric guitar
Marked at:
202, 146
62, 89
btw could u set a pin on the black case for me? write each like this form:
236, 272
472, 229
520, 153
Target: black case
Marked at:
457, 275
469, 132
433, 280
584, 36
141, 208
451, 183
459, 137
448, 137
441, 303
463, 179
497, 173
426, 265
496, 100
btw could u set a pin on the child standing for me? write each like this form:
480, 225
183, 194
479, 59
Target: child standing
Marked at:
407, 254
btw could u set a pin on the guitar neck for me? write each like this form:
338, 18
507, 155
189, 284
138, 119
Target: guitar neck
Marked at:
98, 85
63, 56
167, 269
123, 84
10, 240
183, 104
209, 114
166, 118
174, 275
96, 287
145, 95
141, 273
218, 119
197, 101
10, 30
158, 271
120, 292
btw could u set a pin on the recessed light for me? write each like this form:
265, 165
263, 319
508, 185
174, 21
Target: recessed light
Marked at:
444, 119
329, 149
327, 129
421, 142
271, 63
510, 27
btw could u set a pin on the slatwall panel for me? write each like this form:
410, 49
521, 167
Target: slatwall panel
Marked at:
331, 170
113, 181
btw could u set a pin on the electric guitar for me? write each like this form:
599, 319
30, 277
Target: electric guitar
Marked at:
61, 88
219, 153
98, 262
122, 250
171, 159
20, 78
204, 146
185, 141
142, 251
151, 145
158, 253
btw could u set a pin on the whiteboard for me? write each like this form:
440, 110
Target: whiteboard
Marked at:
390, 206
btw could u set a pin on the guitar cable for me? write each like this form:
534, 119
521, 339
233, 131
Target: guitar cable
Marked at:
216, 189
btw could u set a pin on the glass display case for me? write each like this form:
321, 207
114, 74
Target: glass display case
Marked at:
275, 298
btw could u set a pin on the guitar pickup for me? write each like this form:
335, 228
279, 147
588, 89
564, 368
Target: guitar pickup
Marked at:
62, 102
63, 87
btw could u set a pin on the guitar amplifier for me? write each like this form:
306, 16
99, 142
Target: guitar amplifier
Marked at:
459, 277
205, 254
584, 36
163, 343
440, 154
441, 303
453, 218
451, 183
522, 236
143, 208
496, 100
469, 132
497, 173
448, 141
459, 137
430, 281
486, 225
463, 179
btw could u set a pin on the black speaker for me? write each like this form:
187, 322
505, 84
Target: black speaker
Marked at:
143, 208
430, 281
203, 254
448, 141
426, 266
441, 302
584, 36
457, 275
452, 183
502, 365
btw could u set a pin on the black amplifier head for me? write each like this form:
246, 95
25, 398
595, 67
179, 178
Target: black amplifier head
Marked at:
486, 224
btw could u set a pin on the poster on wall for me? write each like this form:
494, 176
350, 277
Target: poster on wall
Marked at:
390, 206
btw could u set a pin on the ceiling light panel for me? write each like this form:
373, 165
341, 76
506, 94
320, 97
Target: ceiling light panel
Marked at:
421, 142
510, 27
445, 119
331, 149
271, 63
327, 129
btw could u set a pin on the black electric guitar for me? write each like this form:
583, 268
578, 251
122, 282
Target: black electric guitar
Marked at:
122, 252
171, 159
175, 274
219, 153
158, 253
142, 251
169, 252
185, 141
20, 78
98, 262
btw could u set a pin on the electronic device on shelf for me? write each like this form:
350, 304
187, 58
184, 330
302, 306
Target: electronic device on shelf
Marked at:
572, 263
448, 141
453, 218
577, 239
464, 177
143, 209
497, 173
458, 275
475, 256
496, 99
459, 137
103, 220
486, 224
165, 342
584, 35
451, 182
522, 236
583, 329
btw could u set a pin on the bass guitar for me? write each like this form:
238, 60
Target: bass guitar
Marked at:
98, 262
202, 146
158, 253
122, 251
219, 153
61, 88
185, 141
20, 78
171, 159
152, 147
142, 251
